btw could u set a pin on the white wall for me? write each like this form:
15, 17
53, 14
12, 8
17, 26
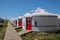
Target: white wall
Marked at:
59, 21
46, 21
44, 29
49, 23
24, 23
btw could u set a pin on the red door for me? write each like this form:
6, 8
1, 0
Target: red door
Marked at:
20, 23
28, 23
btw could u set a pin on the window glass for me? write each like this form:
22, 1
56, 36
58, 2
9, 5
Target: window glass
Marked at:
29, 20
20, 20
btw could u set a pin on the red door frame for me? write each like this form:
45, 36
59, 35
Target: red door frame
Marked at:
20, 22
29, 23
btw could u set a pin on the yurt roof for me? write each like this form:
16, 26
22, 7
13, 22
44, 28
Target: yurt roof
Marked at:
20, 17
27, 15
40, 11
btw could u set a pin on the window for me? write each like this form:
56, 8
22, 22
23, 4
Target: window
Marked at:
29, 20
20, 20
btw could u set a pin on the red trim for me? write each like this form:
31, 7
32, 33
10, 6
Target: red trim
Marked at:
20, 22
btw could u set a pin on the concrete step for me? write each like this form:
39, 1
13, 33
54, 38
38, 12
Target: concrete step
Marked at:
23, 32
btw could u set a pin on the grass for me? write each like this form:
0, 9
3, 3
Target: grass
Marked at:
3, 30
42, 36
18, 29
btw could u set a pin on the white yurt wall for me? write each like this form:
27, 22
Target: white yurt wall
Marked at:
45, 21
58, 19
20, 17
24, 20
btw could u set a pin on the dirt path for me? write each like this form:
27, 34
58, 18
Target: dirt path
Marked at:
11, 34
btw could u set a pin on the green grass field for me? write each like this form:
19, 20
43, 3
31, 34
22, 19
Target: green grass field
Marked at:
3, 29
42, 35
18, 29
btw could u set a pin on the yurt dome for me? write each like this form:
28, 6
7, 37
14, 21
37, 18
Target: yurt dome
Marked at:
20, 17
44, 20
40, 11
40, 20
27, 15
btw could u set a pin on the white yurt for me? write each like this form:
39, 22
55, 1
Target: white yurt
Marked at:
40, 20
14, 21
19, 21
27, 21
44, 21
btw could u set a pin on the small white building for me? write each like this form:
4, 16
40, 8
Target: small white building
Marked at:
40, 20
19, 21
27, 22
14, 21
44, 21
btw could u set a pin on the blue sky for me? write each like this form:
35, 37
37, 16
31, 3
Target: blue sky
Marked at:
15, 8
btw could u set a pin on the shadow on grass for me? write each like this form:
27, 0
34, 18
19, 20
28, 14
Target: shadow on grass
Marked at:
18, 29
